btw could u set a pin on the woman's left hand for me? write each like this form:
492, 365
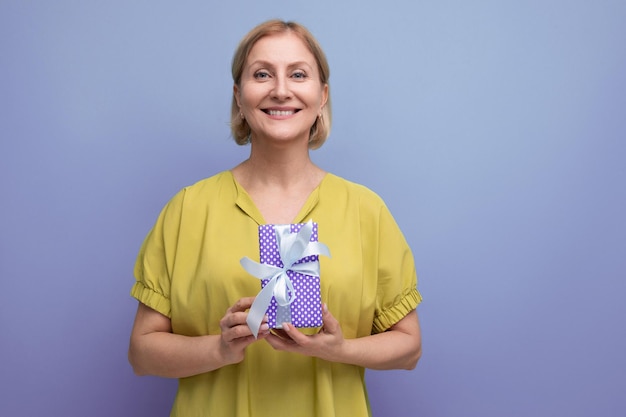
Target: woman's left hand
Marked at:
399, 347
326, 344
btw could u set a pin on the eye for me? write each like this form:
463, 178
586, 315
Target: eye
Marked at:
299, 75
261, 75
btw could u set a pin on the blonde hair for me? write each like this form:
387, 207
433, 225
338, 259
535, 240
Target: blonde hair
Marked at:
239, 127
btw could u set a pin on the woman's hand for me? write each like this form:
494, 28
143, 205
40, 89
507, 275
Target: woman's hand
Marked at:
400, 347
155, 350
326, 344
236, 336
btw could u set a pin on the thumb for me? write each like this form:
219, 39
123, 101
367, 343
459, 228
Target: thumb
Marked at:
330, 323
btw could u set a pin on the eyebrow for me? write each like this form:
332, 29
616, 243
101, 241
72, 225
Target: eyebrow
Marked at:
264, 63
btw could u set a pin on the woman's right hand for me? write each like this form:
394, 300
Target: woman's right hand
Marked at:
155, 350
236, 336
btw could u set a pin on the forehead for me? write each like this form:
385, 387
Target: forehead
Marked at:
282, 48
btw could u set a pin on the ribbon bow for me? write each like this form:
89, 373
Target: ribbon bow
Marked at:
292, 247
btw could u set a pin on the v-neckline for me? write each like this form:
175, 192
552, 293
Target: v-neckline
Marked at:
245, 202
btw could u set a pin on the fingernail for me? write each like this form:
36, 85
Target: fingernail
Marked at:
265, 326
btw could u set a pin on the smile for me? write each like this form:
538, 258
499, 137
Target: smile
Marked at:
280, 112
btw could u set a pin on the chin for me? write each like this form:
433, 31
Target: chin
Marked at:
287, 137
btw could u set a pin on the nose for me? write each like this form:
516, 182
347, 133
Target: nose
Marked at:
281, 90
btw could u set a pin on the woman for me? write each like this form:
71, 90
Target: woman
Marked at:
194, 295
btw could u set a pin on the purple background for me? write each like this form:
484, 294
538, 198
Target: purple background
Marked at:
494, 130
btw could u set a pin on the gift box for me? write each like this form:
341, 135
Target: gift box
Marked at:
289, 274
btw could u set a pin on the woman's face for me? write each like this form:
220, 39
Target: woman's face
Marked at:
280, 93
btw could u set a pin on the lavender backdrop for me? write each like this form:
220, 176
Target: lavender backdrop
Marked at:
494, 130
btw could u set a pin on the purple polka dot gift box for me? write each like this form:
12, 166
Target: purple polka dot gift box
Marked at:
289, 274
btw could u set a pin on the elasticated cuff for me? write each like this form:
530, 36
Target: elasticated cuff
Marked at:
151, 298
387, 318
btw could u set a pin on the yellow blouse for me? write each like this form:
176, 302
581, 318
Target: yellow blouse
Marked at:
188, 269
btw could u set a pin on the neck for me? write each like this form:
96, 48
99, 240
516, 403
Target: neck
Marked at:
282, 167
279, 180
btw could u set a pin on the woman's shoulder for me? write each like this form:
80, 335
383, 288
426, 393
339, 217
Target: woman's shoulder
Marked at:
204, 190
339, 185
208, 186
221, 179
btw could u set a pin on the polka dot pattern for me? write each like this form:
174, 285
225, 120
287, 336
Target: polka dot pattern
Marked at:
306, 309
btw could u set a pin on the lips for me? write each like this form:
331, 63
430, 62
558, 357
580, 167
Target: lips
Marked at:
281, 112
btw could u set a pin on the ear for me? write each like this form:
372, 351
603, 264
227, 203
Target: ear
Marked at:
324, 96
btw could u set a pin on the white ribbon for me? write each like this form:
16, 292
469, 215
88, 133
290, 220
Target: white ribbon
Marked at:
292, 247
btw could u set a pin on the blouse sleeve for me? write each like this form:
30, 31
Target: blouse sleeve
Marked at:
155, 262
397, 280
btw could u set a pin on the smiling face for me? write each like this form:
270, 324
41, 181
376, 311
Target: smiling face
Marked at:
280, 93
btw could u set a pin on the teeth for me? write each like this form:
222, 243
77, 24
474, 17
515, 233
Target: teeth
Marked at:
280, 112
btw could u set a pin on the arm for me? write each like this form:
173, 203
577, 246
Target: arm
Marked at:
400, 347
155, 350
